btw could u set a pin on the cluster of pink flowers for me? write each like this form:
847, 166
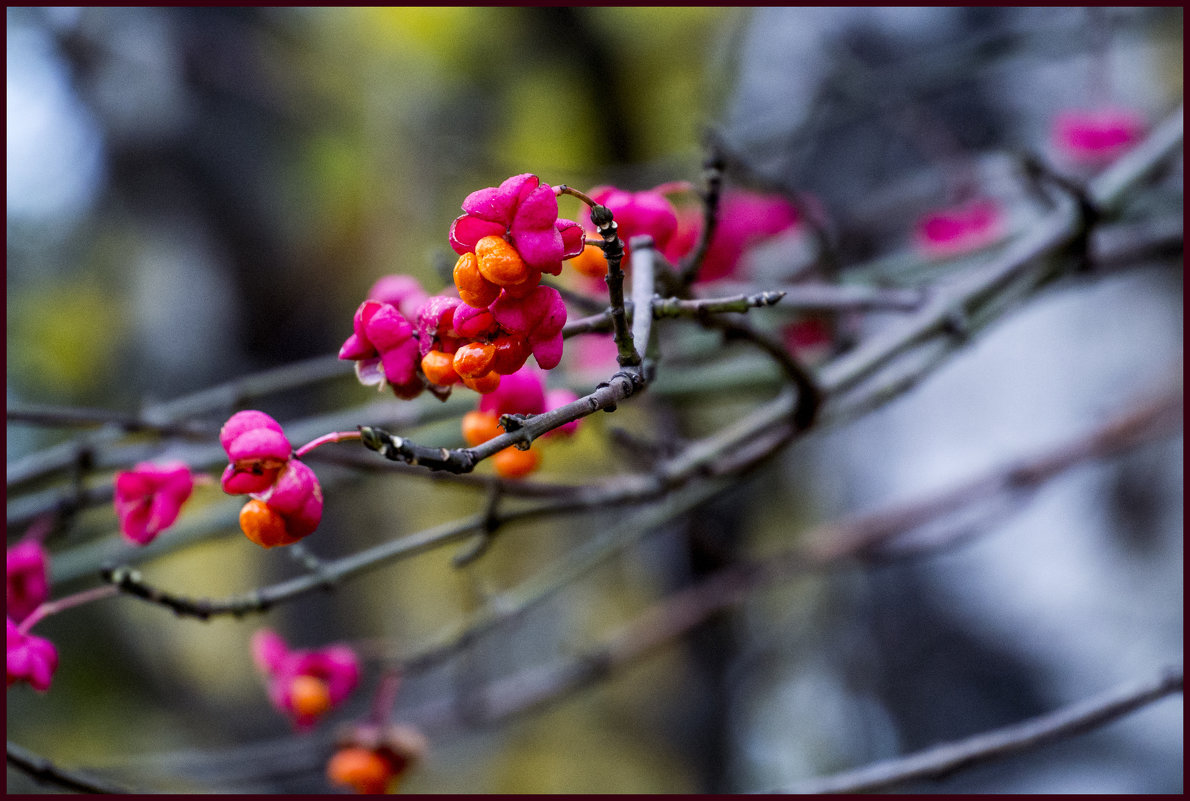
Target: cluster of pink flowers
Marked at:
305, 685
286, 498
507, 238
30, 659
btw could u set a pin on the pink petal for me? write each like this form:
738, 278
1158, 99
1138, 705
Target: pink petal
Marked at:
261, 444
356, 347
548, 352
521, 392
493, 204
573, 238
510, 313
557, 398
400, 363
466, 230
368, 372
248, 420
539, 249
268, 650
237, 481
521, 185
134, 525
539, 210
387, 328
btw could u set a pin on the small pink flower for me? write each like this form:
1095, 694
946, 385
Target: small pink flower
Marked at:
28, 582
961, 229
402, 291
30, 659
384, 349
149, 498
1096, 137
523, 211
539, 316
305, 685
257, 448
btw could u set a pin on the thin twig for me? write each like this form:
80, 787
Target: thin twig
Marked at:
943, 760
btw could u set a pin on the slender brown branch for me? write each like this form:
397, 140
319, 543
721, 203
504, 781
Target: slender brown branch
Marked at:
712, 174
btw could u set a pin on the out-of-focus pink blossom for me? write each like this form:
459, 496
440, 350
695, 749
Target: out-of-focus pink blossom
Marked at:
28, 583
1098, 136
402, 291
522, 392
639, 213
149, 498
257, 448
523, 211
556, 398
809, 340
745, 220
961, 229
305, 685
539, 316
384, 349
30, 659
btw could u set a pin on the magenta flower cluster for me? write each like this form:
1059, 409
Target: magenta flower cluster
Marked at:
286, 498
524, 212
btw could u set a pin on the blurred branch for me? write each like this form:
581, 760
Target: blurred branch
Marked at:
224, 397
943, 760
43, 771
827, 545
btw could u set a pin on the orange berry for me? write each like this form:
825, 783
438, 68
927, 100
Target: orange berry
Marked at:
361, 769
439, 368
310, 696
479, 427
511, 353
514, 463
264, 526
591, 262
474, 359
499, 262
484, 384
474, 289
524, 287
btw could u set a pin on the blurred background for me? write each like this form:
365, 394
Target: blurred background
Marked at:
196, 194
